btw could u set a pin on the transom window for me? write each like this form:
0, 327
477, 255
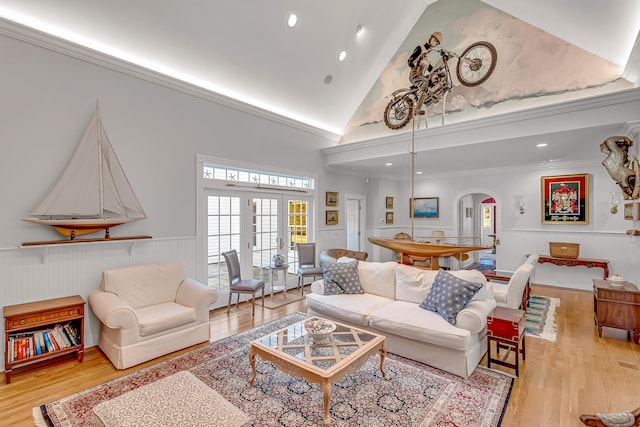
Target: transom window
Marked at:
233, 174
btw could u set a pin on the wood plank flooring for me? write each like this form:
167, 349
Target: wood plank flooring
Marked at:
579, 373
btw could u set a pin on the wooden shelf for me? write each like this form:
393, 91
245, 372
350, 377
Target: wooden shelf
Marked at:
42, 316
45, 246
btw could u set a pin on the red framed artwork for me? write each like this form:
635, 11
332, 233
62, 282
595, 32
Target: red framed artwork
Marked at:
565, 199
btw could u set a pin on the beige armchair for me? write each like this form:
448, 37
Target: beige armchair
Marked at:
511, 291
332, 255
148, 311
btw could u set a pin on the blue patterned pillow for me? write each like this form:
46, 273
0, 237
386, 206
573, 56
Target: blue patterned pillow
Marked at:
341, 278
449, 295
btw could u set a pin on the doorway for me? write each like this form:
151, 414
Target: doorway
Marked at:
355, 221
477, 223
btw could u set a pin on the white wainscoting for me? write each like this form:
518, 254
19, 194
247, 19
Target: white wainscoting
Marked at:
38, 273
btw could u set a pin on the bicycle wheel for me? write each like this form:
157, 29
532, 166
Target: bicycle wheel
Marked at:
476, 64
398, 112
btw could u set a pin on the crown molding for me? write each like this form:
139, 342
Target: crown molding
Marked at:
65, 47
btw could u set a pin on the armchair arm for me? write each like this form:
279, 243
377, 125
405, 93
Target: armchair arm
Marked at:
474, 316
195, 294
112, 310
317, 287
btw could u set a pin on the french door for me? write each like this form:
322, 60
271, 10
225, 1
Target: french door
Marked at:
257, 226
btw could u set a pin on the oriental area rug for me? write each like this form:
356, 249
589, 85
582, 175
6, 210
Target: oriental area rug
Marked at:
412, 394
540, 317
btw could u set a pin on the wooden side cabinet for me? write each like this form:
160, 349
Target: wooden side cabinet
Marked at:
617, 307
38, 332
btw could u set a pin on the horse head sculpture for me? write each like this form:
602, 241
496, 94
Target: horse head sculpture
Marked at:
623, 170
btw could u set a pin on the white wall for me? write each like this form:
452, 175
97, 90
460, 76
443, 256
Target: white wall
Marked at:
603, 238
157, 132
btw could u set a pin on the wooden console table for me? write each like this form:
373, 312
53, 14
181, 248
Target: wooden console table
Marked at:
574, 262
617, 307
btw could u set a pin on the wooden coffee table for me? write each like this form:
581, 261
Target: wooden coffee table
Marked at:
293, 352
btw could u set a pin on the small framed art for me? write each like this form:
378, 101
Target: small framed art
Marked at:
565, 199
331, 217
332, 198
389, 203
389, 218
424, 207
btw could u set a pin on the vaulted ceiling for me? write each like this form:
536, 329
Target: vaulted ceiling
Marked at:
245, 51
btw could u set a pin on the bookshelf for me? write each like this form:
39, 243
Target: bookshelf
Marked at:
32, 332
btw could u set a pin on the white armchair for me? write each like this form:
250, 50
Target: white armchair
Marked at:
148, 311
510, 291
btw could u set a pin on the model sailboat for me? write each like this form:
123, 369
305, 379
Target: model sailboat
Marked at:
92, 193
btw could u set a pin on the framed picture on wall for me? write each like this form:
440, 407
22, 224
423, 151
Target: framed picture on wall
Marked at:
332, 217
565, 199
389, 203
389, 217
424, 207
332, 198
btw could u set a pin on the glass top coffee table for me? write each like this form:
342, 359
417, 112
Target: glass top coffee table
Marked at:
294, 352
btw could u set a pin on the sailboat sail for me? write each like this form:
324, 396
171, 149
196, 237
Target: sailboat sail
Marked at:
93, 192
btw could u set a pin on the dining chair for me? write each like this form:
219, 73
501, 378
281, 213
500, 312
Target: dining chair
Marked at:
307, 263
238, 286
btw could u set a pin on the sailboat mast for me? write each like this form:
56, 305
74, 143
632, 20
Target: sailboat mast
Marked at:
100, 160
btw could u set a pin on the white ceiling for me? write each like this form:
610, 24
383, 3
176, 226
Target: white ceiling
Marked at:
243, 49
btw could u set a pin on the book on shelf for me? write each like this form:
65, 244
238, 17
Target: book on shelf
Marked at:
24, 345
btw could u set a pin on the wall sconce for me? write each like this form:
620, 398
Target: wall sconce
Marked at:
520, 201
615, 201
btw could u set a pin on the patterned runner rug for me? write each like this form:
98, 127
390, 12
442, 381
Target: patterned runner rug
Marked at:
412, 394
540, 317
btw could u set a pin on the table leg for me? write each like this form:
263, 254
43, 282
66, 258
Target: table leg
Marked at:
636, 336
326, 394
600, 331
252, 361
383, 353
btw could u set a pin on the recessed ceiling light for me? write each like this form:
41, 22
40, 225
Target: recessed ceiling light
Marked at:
342, 55
543, 144
292, 21
358, 29
419, 173
328, 79
388, 164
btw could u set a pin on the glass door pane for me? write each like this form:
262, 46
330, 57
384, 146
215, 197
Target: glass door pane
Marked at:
297, 229
223, 234
266, 240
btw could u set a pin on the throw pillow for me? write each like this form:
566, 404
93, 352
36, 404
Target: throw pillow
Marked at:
341, 278
449, 294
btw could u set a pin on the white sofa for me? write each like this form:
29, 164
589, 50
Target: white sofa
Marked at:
390, 306
148, 311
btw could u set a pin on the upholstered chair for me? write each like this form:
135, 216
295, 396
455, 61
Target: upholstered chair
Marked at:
238, 286
307, 263
332, 255
510, 292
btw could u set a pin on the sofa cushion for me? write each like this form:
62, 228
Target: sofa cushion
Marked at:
354, 309
413, 284
145, 284
449, 294
378, 278
407, 319
341, 278
163, 317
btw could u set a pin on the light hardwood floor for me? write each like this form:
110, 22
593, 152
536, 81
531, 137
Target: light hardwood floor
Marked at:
579, 373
